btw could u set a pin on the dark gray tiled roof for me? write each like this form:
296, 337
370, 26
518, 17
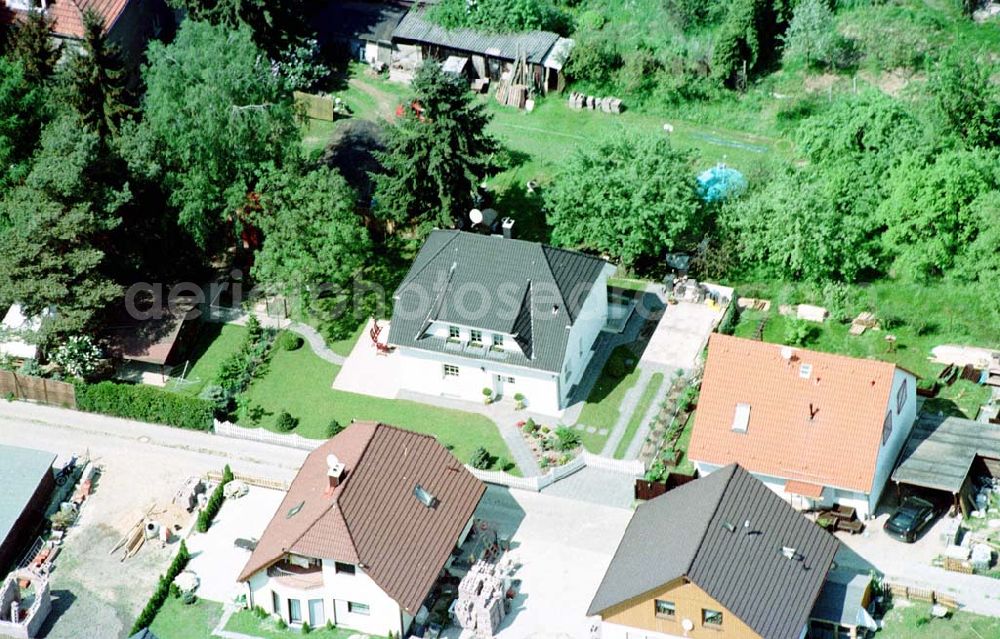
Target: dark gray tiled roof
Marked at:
686, 533
338, 20
532, 291
534, 45
941, 450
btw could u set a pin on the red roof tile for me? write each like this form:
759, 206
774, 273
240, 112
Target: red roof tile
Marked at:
373, 518
67, 15
813, 417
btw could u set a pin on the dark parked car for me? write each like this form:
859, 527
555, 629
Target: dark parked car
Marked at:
910, 517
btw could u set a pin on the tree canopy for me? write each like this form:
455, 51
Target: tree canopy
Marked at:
97, 79
216, 120
629, 197
22, 112
968, 99
275, 25
501, 15
32, 44
436, 155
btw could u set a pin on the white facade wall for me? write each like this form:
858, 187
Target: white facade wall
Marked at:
384, 614
423, 372
903, 405
592, 318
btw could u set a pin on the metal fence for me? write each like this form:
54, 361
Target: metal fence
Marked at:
37, 389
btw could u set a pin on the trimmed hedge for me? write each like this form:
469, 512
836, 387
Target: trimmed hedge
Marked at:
215, 500
146, 404
155, 602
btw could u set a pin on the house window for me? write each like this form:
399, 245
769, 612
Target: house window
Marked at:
509, 380
276, 603
450, 370
901, 397
344, 568
358, 608
294, 611
476, 337
711, 617
453, 332
497, 342
887, 427
665, 609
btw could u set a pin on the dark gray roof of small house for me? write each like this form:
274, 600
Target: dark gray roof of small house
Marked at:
941, 449
842, 598
534, 45
725, 533
374, 22
145, 633
532, 291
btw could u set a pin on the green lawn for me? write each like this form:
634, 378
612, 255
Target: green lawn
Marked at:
177, 621
914, 622
633, 425
245, 622
215, 343
601, 407
685, 465
300, 382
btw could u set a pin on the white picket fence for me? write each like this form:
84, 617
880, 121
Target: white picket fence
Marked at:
631, 467
229, 429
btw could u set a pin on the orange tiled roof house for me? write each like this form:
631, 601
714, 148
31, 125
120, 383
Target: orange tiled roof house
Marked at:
817, 428
129, 23
364, 532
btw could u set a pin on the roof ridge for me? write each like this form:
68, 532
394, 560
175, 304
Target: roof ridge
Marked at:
841, 356
412, 275
710, 518
555, 280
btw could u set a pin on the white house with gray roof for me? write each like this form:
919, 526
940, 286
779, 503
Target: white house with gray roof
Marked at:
478, 311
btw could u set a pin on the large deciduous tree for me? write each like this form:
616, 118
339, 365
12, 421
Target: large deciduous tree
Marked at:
275, 24
436, 155
96, 80
811, 35
313, 237
967, 98
629, 197
216, 120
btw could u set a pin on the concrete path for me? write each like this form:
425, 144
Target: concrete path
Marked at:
503, 415
639, 438
628, 406
596, 486
316, 342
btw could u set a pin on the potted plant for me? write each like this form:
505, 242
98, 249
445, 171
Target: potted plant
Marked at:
518, 401
487, 395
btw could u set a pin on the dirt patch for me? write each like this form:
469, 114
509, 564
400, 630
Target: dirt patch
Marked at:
889, 82
819, 83
385, 104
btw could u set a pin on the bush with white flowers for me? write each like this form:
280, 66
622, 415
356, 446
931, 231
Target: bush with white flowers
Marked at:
78, 356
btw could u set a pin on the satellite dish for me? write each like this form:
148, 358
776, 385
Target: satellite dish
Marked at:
331, 461
687, 624
476, 216
786, 353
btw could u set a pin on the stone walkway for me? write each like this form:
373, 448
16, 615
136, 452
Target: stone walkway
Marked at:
308, 333
502, 414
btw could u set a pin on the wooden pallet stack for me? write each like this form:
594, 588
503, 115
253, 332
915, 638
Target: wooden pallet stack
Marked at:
514, 86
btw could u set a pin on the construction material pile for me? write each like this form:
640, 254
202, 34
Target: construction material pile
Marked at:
607, 105
481, 605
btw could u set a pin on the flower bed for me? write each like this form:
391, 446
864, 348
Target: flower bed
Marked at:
551, 447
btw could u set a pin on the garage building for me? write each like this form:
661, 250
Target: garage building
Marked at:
27, 481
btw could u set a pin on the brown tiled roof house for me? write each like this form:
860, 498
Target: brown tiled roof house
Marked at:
817, 428
364, 531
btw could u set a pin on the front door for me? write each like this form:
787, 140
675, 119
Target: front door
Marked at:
317, 616
498, 386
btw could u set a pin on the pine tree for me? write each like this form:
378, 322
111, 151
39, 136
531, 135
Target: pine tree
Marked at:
32, 44
97, 80
436, 156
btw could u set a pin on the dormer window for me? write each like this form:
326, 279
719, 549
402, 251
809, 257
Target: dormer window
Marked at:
476, 337
741, 418
454, 333
497, 342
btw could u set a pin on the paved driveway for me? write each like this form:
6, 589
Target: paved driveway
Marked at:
680, 337
564, 547
214, 558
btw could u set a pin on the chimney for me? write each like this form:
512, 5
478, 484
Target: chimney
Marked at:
508, 228
335, 471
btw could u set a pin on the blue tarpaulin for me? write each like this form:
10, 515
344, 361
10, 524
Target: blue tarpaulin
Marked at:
721, 182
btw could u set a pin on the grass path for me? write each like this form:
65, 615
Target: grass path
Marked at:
648, 394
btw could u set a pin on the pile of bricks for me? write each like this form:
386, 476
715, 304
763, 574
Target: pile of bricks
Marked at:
481, 605
607, 105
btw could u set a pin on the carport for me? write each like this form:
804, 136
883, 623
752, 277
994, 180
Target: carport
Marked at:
943, 452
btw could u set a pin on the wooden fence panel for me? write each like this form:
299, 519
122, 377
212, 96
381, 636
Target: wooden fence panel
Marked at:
37, 389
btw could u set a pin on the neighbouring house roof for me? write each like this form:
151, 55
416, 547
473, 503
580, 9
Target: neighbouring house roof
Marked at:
67, 15
533, 45
145, 633
941, 450
152, 341
813, 417
369, 21
373, 518
842, 600
16, 326
21, 472
728, 534
525, 289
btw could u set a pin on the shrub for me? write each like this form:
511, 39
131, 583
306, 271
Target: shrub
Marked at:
306, 629
333, 428
567, 438
530, 426
291, 341
800, 332
248, 362
481, 459
146, 404
259, 612
504, 464
177, 565
280, 624
284, 422
215, 500
175, 591
330, 625
78, 356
